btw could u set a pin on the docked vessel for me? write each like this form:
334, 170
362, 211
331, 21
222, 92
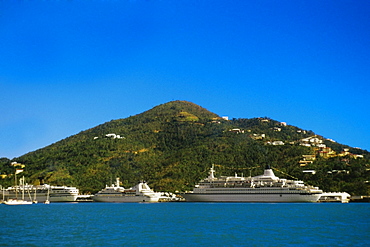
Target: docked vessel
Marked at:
262, 188
17, 202
43, 193
139, 193
14, 200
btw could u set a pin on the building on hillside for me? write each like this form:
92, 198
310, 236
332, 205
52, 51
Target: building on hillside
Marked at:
276, 143
17, 164
305, 144
307, 159
113, 136
258, 136
358, 156
313, 140
301, 131
236, 130
264, 120
309, 171
326, 152
346, 152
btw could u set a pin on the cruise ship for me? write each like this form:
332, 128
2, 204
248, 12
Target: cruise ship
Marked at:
43, 193
262, 188
139, 193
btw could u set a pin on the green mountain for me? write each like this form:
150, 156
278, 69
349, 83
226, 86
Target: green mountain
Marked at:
173, 145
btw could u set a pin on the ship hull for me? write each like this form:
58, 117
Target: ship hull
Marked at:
255, 197
42, 197
125, 199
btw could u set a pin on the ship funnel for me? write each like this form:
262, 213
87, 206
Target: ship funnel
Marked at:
269, 173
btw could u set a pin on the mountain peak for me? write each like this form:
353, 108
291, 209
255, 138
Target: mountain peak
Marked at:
179, 109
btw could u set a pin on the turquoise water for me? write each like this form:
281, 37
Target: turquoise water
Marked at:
185, 224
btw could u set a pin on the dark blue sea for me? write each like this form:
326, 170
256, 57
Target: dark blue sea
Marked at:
185, 224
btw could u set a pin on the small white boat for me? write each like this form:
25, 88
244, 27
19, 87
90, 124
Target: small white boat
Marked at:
17, 202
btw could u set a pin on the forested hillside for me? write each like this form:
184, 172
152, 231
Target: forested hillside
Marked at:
173, 145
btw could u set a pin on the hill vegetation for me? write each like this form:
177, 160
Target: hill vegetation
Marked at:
173, 145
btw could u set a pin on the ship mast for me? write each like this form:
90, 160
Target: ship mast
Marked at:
212, 172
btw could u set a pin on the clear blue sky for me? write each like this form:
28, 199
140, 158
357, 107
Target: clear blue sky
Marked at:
67, 66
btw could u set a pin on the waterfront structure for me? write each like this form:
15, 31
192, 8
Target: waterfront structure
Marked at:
342, 197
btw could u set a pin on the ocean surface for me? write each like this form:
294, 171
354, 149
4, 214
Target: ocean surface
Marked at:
185, 224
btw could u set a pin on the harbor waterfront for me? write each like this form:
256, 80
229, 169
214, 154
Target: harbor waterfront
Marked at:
186, 224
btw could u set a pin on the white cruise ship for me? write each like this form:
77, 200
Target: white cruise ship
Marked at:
42, 193
263, 188
139, 193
